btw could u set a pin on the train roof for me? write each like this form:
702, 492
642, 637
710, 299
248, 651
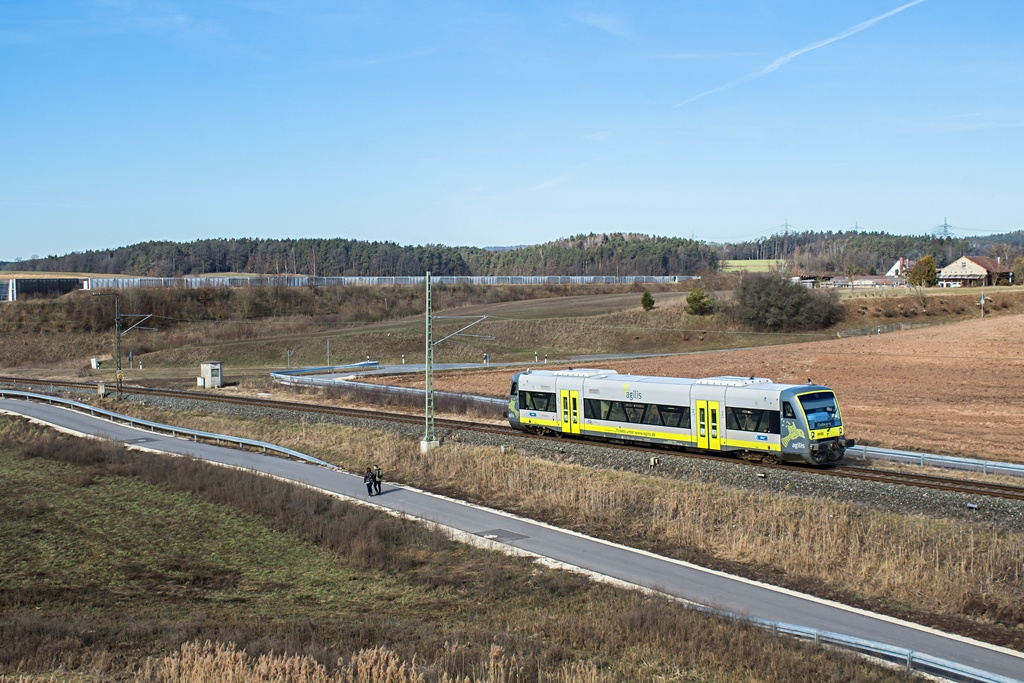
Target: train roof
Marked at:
720, 381
571, 372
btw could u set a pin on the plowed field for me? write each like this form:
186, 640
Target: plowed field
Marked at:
956, 389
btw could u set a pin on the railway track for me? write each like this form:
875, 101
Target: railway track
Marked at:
965, 486
931, 482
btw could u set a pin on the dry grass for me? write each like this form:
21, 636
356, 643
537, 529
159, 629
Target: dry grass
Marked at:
119, 573
933, 570
212, 663
943, 567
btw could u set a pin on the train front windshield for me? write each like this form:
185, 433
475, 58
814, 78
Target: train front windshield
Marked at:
821, 409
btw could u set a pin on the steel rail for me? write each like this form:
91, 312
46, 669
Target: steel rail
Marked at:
931, 481
848, 471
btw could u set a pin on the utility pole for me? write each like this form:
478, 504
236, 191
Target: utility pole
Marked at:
119, 375
429, 438
117, 343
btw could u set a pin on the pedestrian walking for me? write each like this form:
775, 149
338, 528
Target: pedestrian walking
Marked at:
378, 477
368, 480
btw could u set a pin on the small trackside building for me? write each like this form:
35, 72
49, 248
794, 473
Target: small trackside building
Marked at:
211, 374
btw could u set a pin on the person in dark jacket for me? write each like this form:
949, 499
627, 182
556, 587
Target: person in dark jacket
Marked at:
378, 478
368, 480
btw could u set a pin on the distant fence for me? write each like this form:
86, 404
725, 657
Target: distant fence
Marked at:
27, 288
306, 281
10, 290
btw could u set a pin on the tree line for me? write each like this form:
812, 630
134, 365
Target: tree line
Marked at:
614, 254
811, 253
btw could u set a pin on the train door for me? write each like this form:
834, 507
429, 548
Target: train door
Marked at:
709, 428
570, 402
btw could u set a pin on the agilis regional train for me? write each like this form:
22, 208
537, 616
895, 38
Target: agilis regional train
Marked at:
749, 416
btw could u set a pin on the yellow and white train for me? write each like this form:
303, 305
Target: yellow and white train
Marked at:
749, 416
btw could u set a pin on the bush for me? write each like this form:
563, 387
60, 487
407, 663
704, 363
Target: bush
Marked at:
772, 303
700, 301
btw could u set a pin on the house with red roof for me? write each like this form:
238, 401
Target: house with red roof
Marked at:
973, 271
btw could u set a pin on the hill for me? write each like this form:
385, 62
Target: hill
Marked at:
809, 252
615, 254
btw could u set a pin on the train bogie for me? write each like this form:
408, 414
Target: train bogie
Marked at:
750, 416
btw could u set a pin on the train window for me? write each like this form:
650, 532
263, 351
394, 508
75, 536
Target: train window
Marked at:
652, 416
514, 390
596, 410
591, 409
787, 410
742, 419
635, 412
538, 400
821, 409
675, 416
752, 420
616, 412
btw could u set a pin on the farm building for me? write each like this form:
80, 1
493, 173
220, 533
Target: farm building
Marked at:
973, 271
900, 268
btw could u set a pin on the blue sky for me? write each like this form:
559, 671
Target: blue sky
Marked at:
490, 123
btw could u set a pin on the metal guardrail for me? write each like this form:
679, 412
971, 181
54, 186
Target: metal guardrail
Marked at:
159, 427
880, 329
363, 365
913, 661
296, 377
949, 462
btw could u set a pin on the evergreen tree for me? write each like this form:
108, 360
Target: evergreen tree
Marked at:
923, 274
700, 301
646, 300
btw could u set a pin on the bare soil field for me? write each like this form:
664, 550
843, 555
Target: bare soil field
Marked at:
953, 389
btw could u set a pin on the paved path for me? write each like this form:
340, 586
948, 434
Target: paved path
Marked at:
676, 578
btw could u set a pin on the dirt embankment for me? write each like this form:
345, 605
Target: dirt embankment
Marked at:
954, 389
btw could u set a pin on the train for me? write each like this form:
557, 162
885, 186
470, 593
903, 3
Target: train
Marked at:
751, 417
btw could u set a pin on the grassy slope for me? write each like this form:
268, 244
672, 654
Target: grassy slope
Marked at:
120, 556
954, 575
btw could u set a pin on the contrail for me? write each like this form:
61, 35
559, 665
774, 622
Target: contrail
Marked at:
765, 70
